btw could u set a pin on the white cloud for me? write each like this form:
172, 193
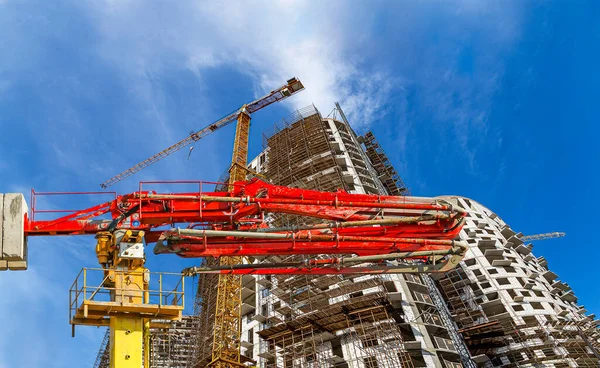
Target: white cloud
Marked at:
333, 48
270, 42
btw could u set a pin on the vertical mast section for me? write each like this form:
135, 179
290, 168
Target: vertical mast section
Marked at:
239, 160
227, 328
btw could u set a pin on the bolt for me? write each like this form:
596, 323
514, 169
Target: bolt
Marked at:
127, 356
127, 332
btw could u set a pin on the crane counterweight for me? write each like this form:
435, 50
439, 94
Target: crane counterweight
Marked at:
13, 243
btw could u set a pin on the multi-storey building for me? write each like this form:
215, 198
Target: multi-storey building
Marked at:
335, 321
501, 303
509, 307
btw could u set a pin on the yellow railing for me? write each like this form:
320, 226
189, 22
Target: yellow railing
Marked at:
93, 284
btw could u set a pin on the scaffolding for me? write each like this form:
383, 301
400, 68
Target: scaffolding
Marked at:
480, 334
577, 341
359, 328
385, 170
204, 311
171, 346
507, 340
300, 153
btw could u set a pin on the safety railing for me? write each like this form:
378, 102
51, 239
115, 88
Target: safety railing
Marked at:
54, 207
93, 284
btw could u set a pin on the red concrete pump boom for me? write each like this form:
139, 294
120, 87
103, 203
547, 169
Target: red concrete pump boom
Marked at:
368, 232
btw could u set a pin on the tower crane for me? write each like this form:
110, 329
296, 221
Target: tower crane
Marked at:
292, 86
543, 236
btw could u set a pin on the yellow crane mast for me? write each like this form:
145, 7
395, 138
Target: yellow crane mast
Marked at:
227, 328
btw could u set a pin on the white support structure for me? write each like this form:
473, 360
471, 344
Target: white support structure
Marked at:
13, 243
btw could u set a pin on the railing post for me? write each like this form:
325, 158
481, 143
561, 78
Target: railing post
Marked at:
84, 283
182, 291
140, 206
160, 289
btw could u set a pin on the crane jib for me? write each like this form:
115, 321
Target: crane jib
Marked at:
293, 86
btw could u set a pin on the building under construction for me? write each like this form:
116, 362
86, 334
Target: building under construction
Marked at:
509, 308
500, 307
339, 321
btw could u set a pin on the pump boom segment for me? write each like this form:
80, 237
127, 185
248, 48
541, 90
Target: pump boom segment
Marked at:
218, 224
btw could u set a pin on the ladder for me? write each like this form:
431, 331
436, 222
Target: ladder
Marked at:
452, 328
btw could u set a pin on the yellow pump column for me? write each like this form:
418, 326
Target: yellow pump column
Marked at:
126, 336
124, 300
127, 332
146, 343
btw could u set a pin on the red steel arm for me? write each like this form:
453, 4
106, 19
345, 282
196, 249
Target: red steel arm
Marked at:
233, 224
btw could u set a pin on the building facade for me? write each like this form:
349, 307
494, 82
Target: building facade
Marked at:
500, 307
509, 307
338, 321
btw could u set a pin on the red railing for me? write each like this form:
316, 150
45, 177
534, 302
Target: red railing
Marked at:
199, 183
35, 195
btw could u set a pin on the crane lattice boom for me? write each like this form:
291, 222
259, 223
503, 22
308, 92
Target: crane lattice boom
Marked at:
293, 86
542, 236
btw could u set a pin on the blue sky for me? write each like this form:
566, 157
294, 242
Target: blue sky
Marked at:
496, 101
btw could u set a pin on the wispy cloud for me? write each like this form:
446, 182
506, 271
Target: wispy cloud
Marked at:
269, 42
336, 51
